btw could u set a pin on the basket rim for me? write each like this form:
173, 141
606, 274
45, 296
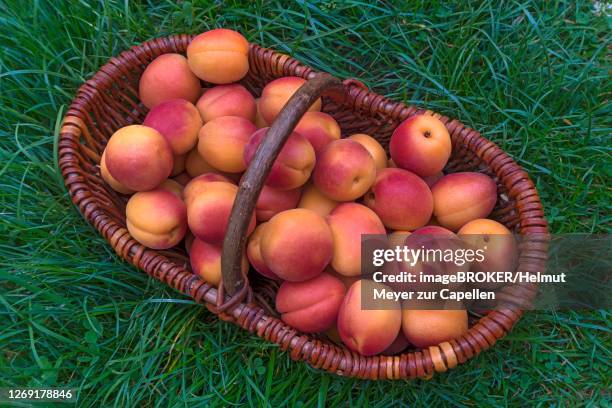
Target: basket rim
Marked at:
319, 354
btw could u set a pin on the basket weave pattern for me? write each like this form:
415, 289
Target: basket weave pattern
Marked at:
109, 100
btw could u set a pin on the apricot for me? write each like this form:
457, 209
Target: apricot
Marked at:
292, 166
484, 226
277, 93
462, 197
208, 212
156, 218
196, 165
319, 128
179, 165
219, 56
421, 144
297, 244
168, 77
254, 253
205, 261
310, 306
424, 328
344, 171
401, 199
138, 157
373, 147
272, 201
366, 331
227, 100
178, 121
172, 186
434, 230
431, 237
498, 243
398, 239
259, 121
222, 142
348, 222
196, 184
313, 199
110, 180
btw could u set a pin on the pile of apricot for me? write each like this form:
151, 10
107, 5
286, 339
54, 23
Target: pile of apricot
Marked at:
181, 168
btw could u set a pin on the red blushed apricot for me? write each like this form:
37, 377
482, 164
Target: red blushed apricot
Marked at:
297, 244
227, 100
195, 166
172, 186
365, 331
195, 186
292, 166
179, 165
110, 180
313, 199
373, 147
254, 253
139, 157
319, 129
401, 199
500, 255
421, 144
348, 222
222, 141
344, 170
206, 261
276, 94
182, 178
156, 218
260, 122
434, 230
208, 212
219, 56
272, 201
168, 77
462, 197
435, 238
178, 121
310, 306
424, 328
484, 226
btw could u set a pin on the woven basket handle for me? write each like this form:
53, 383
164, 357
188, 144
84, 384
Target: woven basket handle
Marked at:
255, 176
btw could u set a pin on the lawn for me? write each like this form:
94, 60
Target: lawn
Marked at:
533, 76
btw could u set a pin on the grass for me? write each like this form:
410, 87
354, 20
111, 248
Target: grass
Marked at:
532, 76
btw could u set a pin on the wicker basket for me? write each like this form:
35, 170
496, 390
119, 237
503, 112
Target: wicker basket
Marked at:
109, 101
